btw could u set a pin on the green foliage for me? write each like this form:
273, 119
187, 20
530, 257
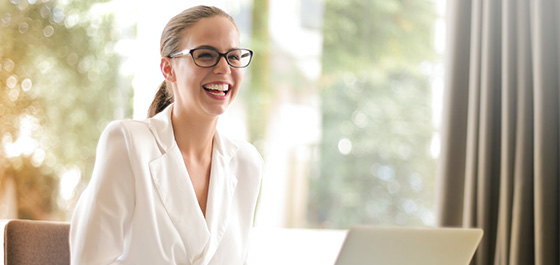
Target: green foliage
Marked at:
258, 96
64, 75
359, 34
375, 165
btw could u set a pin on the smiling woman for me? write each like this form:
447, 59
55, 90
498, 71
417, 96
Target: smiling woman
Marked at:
173, 189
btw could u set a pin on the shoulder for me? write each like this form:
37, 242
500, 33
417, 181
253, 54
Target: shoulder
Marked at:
125, 126
246, 155
125, 136
245, 149
124, 130
248, 151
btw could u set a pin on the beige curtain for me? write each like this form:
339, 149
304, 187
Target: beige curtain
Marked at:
499, 167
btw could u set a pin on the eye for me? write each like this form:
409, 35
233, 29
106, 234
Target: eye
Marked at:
205, 55
234, 56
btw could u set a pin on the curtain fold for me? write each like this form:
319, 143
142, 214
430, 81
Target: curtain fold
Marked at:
545, 71
499, 164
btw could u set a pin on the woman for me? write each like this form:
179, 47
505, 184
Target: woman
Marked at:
171, 189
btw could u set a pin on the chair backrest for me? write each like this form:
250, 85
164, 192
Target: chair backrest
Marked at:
36, 242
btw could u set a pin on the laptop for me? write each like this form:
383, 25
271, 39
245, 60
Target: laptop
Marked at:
371, 245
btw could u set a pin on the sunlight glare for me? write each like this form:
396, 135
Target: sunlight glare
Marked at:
25, 144
68, 182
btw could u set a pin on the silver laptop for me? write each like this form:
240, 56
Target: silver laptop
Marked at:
370, 245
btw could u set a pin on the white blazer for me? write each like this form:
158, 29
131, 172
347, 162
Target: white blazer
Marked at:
140, 206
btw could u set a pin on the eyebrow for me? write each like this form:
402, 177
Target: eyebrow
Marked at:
212, 48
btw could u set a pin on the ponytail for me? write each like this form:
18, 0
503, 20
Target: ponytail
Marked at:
162, 99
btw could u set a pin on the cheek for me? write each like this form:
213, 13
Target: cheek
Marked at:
184, 71
188, 79
238, 76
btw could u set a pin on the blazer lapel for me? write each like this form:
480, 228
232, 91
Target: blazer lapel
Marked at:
176, 191
200, 236
177, 194
223, 183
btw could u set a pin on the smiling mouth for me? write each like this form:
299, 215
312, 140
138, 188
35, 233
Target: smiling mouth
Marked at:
217, 89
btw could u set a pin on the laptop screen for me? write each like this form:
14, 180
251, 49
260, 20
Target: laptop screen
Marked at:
371, 245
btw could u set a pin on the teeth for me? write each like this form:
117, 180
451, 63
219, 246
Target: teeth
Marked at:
219, 87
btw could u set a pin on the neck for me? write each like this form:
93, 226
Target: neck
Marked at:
194, 135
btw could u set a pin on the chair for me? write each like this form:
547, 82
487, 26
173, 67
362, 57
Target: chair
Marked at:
36, 242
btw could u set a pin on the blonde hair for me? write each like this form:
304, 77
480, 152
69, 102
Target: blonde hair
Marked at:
171, 43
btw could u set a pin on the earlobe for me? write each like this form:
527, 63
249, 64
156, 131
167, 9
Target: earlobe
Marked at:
167, 69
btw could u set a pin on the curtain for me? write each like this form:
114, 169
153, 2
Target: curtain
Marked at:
499, 163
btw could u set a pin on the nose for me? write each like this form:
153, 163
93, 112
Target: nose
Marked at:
222, 67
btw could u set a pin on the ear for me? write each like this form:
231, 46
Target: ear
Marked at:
167, 69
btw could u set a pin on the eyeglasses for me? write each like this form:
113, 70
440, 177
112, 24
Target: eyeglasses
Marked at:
208, 57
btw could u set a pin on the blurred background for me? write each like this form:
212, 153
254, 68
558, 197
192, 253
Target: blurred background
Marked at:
342, 99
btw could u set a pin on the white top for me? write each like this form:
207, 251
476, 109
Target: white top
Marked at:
140, 206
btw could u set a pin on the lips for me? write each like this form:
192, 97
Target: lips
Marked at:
217, 89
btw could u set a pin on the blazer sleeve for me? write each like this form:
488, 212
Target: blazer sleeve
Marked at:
259, 164
105, 208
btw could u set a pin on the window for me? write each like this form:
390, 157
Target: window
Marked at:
352, 102
353, 134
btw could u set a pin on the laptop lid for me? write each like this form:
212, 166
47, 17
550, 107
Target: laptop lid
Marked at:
370, 245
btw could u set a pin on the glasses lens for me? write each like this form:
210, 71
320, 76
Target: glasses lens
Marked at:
205, 57
239, 58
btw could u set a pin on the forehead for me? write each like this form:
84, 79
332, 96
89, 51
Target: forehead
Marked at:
218, 32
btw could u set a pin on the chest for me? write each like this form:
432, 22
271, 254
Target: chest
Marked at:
199, 173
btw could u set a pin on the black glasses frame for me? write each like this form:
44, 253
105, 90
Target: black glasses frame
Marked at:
220, 55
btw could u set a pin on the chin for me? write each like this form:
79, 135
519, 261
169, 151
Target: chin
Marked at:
216, 111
